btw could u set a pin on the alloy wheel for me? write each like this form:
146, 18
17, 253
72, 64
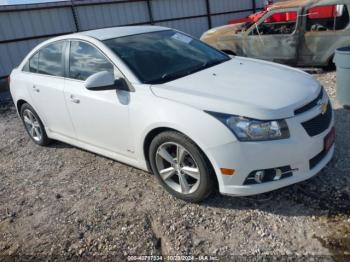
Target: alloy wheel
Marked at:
177, 168
32, 125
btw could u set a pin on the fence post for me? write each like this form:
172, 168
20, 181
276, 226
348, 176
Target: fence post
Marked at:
75, 18
150, 13
207, 3
254, 5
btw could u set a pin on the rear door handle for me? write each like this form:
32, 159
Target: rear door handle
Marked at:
74, 100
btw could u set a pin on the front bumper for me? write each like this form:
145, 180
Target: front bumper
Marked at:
246, 157
269, 186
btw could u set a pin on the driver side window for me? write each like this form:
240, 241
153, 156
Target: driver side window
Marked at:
283, 23
86, 60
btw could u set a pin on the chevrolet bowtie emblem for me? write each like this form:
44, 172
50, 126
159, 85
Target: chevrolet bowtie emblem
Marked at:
323, 107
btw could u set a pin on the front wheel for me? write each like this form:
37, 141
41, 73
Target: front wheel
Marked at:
180, 166
330, 66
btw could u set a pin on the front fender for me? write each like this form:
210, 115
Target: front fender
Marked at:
149, 112
202, 128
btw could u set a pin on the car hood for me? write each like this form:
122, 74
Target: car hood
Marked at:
223, 30
245, 87
215, 35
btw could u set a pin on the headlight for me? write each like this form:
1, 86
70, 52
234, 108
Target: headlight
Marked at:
247, 129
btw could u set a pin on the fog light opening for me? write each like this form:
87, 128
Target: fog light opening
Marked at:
259, 176
278, 174
269, 175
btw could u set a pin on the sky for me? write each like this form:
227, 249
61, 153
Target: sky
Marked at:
17, 2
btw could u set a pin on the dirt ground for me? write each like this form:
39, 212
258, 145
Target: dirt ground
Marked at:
64, 202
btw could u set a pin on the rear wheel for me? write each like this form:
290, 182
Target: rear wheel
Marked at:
180, 166
33, 125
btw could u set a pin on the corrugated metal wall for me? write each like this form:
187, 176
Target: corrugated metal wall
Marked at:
107, 15
14, 25
23, 27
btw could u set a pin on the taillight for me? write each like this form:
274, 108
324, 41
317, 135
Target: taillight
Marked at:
8, 79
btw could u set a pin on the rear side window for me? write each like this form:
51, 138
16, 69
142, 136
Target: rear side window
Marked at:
327, 18
86, 60
51, 60
47, 61
33, 63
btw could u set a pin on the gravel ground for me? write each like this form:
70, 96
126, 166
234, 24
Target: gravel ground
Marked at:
65, 202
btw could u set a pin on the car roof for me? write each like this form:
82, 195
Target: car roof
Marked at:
115, 32
293, 3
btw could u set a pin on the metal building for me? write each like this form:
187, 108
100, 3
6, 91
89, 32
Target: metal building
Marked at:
24, 26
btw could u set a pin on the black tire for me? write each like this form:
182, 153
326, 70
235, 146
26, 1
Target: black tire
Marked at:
206, 182
331, 66
44, 140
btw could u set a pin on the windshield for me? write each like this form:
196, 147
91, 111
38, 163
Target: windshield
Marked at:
159, 57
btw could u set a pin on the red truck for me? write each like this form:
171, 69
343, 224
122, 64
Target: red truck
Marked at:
315, 13
294, 32
253, 17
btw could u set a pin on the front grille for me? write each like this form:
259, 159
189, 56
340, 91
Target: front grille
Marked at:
310, 105
317, 159
320, 123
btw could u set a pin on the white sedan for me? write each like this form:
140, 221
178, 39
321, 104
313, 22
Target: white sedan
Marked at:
160, 100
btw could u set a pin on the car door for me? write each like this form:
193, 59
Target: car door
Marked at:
45, 78
100, 118
274, 37
326, 29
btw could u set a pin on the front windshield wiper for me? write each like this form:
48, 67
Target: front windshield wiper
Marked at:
172, 76
212, 63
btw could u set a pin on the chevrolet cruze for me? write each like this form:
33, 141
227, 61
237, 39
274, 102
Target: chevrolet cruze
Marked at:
160, 100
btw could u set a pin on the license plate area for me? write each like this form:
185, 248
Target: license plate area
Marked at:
329, 139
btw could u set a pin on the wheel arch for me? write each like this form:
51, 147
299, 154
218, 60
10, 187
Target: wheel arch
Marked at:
20, 103
148, 140
156, 131
330, 66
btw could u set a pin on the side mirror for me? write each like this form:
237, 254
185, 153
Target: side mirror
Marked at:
100, 81
105, 81
121, 84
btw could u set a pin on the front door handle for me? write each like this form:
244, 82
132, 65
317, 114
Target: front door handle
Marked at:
36, 89
74, 100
